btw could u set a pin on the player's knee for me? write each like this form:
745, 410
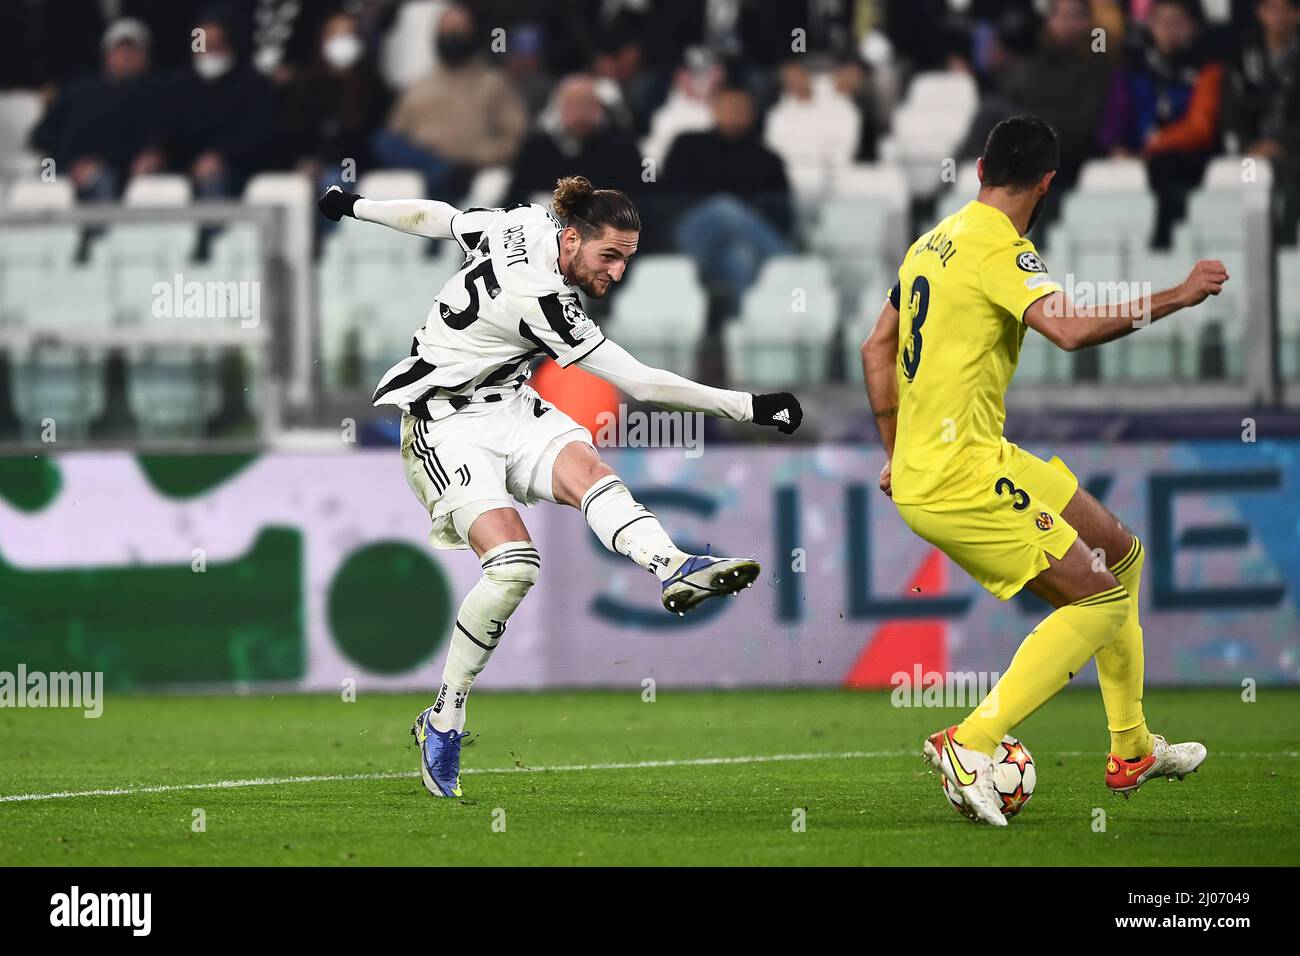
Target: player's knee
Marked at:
513, 569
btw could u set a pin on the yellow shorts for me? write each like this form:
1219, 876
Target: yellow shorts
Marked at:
1002, 532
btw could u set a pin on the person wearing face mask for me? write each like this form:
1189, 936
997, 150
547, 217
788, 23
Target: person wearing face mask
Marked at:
219, 117
334, 106
460, 117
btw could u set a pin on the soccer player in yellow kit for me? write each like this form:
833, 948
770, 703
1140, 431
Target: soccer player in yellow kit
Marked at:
937, 366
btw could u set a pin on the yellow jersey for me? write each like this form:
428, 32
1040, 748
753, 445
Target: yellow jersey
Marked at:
962, 292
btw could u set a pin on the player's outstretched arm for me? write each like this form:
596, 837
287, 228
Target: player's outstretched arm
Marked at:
1072, 328
880, 369
660, 387
419, 217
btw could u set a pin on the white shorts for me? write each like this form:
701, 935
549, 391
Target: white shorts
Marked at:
482, 457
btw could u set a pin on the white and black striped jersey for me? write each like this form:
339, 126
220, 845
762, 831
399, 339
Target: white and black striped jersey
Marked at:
508, 304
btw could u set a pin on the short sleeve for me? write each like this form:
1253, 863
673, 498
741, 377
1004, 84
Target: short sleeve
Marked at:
894, 298
1015, 277
559, 327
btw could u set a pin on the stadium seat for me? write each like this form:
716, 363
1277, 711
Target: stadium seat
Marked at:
1234, 172
172, 391
60, 385
392, 184
367, 242
786, 324
488, 188
861, 227
946, 91
961, 192
20, 110
919, 143
1113, 176
928, 127
162, 189
1288, 313
33, 194
369, 310
660, 312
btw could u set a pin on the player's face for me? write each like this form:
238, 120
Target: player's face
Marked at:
602, 260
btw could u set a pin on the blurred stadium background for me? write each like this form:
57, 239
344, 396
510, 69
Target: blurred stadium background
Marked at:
187, 350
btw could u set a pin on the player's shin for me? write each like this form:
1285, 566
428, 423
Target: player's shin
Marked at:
1048, 658
627, 527
509, 570
1120, 668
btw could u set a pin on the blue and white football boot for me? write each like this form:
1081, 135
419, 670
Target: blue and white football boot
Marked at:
439, 756
701, 577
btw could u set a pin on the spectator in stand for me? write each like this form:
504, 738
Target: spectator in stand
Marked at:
575, 136
1261, 111
461, 117
739, 198
334, 106
1064, 82
98, 125
218, 120
813, 124
1163, 105
855, 80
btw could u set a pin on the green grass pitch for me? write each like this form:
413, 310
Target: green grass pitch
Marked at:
867, 795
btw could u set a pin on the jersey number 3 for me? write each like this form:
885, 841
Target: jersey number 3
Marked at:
920, 305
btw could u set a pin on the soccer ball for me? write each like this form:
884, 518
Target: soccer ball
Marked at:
1014, 777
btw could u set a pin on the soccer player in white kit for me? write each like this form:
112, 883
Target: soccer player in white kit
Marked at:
476, 439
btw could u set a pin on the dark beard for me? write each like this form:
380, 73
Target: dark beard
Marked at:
1033, 216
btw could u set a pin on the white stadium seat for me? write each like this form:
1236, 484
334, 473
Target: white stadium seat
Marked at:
161, 189
33, 194
392, 184
1288, 312
1235, 172
20, 110
660, 312
1113, 175
786, 324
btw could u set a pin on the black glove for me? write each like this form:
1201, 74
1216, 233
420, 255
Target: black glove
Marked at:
336, 204
780, 409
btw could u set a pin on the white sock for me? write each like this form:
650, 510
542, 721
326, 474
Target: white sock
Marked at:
629, 528
509, 570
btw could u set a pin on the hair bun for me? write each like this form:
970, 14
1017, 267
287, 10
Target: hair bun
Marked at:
571, 193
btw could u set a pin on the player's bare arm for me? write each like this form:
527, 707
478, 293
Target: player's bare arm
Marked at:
1071, 327
880, 369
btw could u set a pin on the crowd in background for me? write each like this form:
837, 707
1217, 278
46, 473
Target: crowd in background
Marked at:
572, 86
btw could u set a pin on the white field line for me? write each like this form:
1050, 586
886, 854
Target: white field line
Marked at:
563, 768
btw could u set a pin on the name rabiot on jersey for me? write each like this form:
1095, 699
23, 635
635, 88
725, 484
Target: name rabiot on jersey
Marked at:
508, 304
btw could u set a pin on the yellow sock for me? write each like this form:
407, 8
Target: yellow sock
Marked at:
1120, 668
1053, 653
